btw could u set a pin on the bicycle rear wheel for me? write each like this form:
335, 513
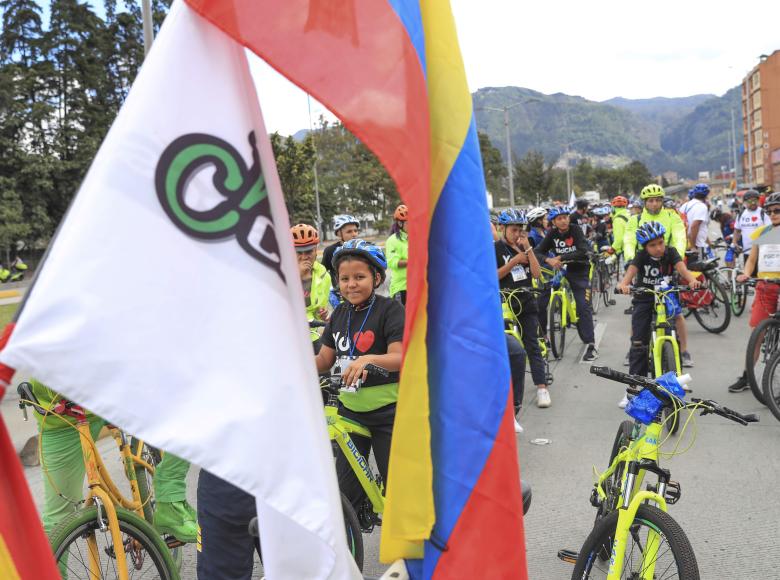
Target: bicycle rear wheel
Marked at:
651, 529
146, 553
771, 385
763, 343
739, 296
354, 534
595, 290
612, 485
716, 316
556, 328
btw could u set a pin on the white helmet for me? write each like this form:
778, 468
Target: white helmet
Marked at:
535, 213
340, 221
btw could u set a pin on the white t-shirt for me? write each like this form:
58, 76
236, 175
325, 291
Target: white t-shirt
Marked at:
697, 210
748, 222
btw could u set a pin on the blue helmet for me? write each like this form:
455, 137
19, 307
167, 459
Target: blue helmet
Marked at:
699, 190
362, 249
558, 210
649, 231
602, 210
512, 216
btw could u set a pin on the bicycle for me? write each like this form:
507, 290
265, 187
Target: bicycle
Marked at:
512, 304
601, 281
763, 343
710, 305
664, 353
110, 529
629, 532
727, 276
562, 311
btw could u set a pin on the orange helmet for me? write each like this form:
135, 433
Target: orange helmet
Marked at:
401, 213
305, 237
619, 201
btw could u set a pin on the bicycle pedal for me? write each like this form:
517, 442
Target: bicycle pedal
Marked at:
549, 379
612, 301
673, 492
595, 500
172, 542
568, 556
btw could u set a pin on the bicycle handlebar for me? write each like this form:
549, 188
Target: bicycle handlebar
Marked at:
711, 406
334, 384
317, 324
644, 290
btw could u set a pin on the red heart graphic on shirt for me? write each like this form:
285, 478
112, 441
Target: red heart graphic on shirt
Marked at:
754, 218
364, 340
569, 241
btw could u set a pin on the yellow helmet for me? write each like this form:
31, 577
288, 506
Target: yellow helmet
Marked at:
652, 190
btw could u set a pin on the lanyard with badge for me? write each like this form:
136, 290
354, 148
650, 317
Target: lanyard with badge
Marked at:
343, 362
518, 271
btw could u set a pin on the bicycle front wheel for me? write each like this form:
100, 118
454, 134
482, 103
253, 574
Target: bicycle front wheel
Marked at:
763, 343
80, 536
739, 296
354, 533
556, 328
669, 364
652, 532
595, 291
716, 316
771, 385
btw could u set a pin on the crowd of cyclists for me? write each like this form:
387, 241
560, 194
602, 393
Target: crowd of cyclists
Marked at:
354, 325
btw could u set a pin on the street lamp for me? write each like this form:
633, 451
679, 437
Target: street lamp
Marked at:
506, 110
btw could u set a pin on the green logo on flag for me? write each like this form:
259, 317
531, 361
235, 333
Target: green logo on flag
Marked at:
245, 211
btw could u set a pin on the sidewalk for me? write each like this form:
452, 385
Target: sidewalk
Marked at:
23, 434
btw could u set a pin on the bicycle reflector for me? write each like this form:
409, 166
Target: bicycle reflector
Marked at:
645, 406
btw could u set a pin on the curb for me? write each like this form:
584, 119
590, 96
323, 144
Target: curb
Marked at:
10, 293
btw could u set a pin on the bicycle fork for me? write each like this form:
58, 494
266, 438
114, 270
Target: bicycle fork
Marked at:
626, 516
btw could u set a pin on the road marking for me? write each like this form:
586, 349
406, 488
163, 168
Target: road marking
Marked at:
598, 334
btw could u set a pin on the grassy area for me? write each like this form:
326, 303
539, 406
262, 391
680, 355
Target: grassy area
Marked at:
7, 313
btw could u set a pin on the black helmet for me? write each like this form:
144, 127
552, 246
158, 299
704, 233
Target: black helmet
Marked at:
750, 194
582, 203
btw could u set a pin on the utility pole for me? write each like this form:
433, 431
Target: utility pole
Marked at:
734, 143
146, 14
314, 170
509, 167
749, 134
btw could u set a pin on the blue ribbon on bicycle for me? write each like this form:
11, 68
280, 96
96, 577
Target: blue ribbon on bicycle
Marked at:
645, 406
672, 303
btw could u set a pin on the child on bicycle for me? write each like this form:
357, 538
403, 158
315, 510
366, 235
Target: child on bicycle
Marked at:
569, 243
365, 328
652, 267
517, 265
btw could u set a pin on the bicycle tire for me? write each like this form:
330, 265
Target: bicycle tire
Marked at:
354, 533
605, 276
669, 364
720, 296
614, 482
595, 291
145, 481
555, 327
134, 529
772, 392
680, 549
739, 299
767, 332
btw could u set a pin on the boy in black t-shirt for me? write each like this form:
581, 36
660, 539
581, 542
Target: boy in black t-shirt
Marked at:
570, 246
652, 267
517, 265
365, 328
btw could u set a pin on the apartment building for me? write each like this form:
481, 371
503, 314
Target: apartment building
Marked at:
761, 122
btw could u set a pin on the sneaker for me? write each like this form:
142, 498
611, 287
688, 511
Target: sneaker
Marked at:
629, 310
626, 362
518, 427
174, 518
740, 385
590, 353
623, 402
543, 398
687, 362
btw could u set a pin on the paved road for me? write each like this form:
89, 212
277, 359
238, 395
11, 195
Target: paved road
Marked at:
728, 478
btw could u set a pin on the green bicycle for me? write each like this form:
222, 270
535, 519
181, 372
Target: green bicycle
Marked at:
512, 303
562, 311
632, 538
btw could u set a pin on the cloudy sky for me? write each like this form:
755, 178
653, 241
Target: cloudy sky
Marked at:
598, 50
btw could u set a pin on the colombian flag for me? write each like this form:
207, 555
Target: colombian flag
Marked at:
391, 70
24, 548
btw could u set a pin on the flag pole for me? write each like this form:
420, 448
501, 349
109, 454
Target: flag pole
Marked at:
146, 11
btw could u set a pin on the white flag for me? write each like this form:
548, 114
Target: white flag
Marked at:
171, 304
572, 199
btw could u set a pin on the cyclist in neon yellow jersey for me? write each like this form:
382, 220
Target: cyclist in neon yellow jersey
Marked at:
620, 217
675, 236
397, 250
314, 277
364, 329
61, 458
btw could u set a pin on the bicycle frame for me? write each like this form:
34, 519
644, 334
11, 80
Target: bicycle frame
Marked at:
641, 456
340, 430
514, 329
660, 336
569, 306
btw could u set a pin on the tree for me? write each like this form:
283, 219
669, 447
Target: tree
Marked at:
636, 176
583, 176
533, 177
13, 226
495, 170
295, 163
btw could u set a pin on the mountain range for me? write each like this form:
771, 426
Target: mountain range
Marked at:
686, 134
